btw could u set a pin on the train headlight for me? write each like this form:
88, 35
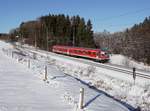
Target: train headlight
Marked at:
103, 53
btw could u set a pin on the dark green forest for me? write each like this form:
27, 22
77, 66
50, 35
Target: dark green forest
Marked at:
51, 30
133, 42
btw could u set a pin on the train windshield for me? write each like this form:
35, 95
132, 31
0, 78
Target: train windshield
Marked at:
103, 53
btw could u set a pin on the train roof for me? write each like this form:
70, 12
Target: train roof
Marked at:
78, 48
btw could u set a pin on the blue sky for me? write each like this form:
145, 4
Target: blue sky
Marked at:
112, 15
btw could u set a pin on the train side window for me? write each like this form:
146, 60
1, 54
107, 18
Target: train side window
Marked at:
84, 52
94, 53
89, 53
81, 52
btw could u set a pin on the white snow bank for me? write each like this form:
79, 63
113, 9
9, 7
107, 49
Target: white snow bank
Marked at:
22, 90
121, 89
125, 61
31, 94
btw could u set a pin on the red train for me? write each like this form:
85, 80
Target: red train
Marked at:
95, 54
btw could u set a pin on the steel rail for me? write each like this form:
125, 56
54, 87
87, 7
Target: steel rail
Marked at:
106, 66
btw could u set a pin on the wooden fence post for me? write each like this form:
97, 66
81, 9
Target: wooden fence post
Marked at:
45, 76
134, 74
81, 98
28, 63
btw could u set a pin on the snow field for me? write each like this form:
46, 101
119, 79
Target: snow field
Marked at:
66, 86
125, 61
120, 88
69, 96
22, 90
115, 85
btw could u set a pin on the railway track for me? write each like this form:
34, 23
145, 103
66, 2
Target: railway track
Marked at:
128, 71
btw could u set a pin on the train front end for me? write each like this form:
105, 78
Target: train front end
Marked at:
104, 56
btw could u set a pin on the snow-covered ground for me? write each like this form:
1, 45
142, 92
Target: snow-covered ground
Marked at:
23, 88
125, 61
133, 94
119, 87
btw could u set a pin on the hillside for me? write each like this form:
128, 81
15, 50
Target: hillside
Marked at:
23, 89
133, 42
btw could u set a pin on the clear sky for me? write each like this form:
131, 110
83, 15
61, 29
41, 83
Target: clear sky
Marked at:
112, 15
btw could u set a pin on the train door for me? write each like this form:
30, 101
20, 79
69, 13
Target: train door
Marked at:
97, 54
67, 51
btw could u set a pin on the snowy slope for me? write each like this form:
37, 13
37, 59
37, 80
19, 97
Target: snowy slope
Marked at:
23, 89
119, 85
125, 61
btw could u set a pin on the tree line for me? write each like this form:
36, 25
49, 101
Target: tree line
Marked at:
4, 36
133, 42
51, 30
